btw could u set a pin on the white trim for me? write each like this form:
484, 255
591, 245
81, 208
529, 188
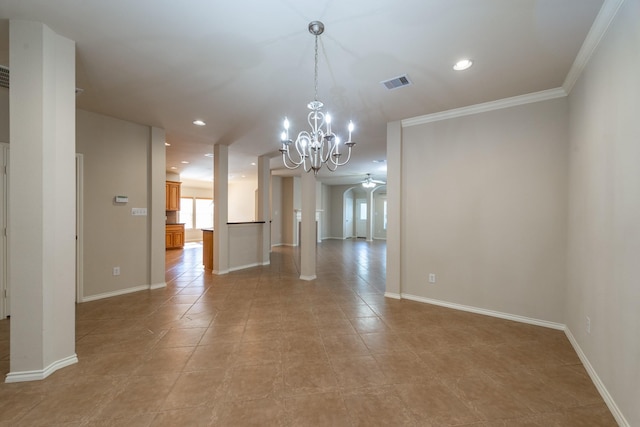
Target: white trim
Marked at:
243, 267
486, 106
79, 227
115, 293
220, 272
158, 285
611, 404
484, 311
18, 377
392, 295
600, 25
314, 277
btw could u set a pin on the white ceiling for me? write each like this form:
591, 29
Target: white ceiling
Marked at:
242, 65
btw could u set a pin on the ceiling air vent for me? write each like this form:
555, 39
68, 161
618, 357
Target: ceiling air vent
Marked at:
397, 82
4, 76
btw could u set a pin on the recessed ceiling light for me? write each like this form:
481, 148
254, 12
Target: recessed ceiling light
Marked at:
199, 123
209, 155
253, 163
166, 144
463, 64
173, 168
184, 162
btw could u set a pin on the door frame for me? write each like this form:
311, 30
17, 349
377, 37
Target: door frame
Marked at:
79, 227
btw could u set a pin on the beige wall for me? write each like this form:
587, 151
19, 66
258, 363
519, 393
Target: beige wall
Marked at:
379, 197
242, 201
276, 210
325, 216
484, 208
604, 211
116, 155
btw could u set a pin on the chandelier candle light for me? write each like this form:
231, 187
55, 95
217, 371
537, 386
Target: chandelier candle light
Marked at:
320, 145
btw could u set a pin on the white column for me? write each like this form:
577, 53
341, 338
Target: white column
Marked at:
264, 187
42, 202
221, 209
370, 213
157, 205
308, 233
394, 188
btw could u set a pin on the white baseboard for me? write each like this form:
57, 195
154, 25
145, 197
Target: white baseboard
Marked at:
611, 404
115, 293
314, 277
17, 377
220, 272
242, 267
392, 295
158, 285
492, 313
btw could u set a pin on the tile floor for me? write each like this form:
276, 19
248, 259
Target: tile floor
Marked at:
259, 347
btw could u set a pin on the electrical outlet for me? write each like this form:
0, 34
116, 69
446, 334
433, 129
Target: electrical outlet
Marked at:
116, 271
432, 278
588, 325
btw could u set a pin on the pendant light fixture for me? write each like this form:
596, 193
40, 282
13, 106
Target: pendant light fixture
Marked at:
319, 145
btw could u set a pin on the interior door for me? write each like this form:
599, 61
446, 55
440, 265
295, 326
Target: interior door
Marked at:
361, 218
348, 216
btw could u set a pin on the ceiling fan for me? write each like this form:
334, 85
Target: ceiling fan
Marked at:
369, 182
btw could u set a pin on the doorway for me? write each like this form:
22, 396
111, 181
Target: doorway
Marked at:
347, 231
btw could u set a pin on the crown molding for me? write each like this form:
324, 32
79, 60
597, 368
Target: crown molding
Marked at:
601, 24
486, 106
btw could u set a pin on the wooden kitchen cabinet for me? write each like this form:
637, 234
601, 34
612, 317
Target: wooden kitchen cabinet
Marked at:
174, 236
172, 189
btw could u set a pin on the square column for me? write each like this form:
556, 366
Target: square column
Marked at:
220, 209
263, 208
42, 209
157, 205
394, 208
308, 226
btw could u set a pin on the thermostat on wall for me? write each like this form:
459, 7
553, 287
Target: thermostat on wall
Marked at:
122, 199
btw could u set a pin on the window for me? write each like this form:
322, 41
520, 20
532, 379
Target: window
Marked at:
363, 211
186, 212
196, 212
204, 213
384, 208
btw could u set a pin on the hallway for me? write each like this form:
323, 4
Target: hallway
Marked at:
261, 347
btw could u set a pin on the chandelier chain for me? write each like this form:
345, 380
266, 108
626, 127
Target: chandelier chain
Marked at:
315, 75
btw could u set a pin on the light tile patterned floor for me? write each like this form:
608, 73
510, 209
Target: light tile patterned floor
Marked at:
262, 348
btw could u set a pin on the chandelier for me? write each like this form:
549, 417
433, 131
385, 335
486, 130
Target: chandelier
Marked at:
319, 145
